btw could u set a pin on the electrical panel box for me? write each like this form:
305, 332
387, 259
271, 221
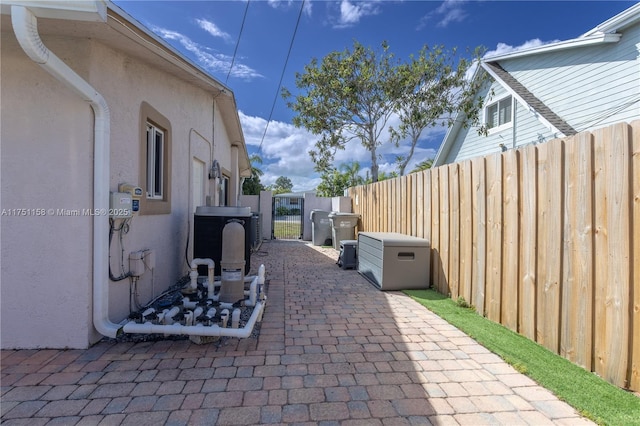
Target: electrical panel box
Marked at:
120, 205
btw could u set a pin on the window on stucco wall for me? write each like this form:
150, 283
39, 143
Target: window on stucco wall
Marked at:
155, 161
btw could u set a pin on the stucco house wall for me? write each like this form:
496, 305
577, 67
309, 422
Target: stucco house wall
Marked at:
47, 169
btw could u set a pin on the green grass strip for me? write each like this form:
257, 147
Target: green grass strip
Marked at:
590, 395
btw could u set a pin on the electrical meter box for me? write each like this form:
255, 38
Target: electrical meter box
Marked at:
120, 205
136, 194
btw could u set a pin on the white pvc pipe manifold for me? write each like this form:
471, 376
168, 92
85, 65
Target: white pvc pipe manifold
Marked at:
194, 268
198, 330
25, 27
253, 293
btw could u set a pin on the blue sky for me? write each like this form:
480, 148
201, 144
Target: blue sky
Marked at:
207, 32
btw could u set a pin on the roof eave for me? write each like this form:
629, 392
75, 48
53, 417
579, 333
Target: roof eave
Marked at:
623, 19
559, 46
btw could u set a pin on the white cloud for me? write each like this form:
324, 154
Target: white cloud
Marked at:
449, 11
206, 58
286, 4
285, 151
351, 13
503, 48
213, 29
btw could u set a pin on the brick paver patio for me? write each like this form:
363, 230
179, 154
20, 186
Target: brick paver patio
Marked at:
332, 349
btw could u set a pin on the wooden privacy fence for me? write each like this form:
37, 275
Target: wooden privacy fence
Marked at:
544, 239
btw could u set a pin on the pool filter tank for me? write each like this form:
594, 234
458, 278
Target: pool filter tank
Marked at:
232, 262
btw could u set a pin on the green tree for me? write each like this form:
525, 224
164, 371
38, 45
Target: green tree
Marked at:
282, 185
381, 176
252, 185
333, 184
434, 89
352, 171
348, 95
423, 165
334, 181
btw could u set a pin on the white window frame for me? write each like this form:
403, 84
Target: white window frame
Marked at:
224, 190
497, 103
155, 162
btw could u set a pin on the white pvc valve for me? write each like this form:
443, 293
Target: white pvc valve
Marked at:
235, 318
194, 279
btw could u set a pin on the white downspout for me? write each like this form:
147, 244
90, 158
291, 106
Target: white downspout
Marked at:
25, 27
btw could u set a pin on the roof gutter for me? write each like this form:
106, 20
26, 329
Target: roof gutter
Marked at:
25, 26
559, 46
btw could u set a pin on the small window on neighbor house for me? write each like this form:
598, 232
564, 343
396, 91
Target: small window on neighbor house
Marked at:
499, 113
155, 162
293, 201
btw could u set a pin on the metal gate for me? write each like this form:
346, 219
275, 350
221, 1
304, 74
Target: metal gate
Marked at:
287, 214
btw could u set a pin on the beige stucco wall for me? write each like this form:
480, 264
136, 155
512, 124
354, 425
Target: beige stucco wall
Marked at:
47, 162
46, 159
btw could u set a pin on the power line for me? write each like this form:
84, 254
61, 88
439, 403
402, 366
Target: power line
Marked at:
293, 37
244, 18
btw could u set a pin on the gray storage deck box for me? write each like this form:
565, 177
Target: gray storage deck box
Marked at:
393, 261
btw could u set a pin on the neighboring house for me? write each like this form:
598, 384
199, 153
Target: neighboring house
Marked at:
91, 100
291, 201
555, 90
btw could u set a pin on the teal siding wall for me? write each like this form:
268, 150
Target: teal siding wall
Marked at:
589, 87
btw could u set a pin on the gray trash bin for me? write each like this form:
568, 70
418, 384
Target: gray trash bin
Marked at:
343, 227
320, 228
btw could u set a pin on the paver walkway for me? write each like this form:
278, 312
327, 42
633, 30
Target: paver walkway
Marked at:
332, 349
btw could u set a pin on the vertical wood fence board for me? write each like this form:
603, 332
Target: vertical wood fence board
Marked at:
618, 207
480, 231
413, 207
397, 202
435, 228
391, 204
601, 355
634, 373
494, 237
405, 219
466, 234
445, 226
577, 288
549, 243
377, 204
454, 234
420, 201
553, 300
386, 185
364, 204
426, 176
511, 246
360, 195
528, 234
